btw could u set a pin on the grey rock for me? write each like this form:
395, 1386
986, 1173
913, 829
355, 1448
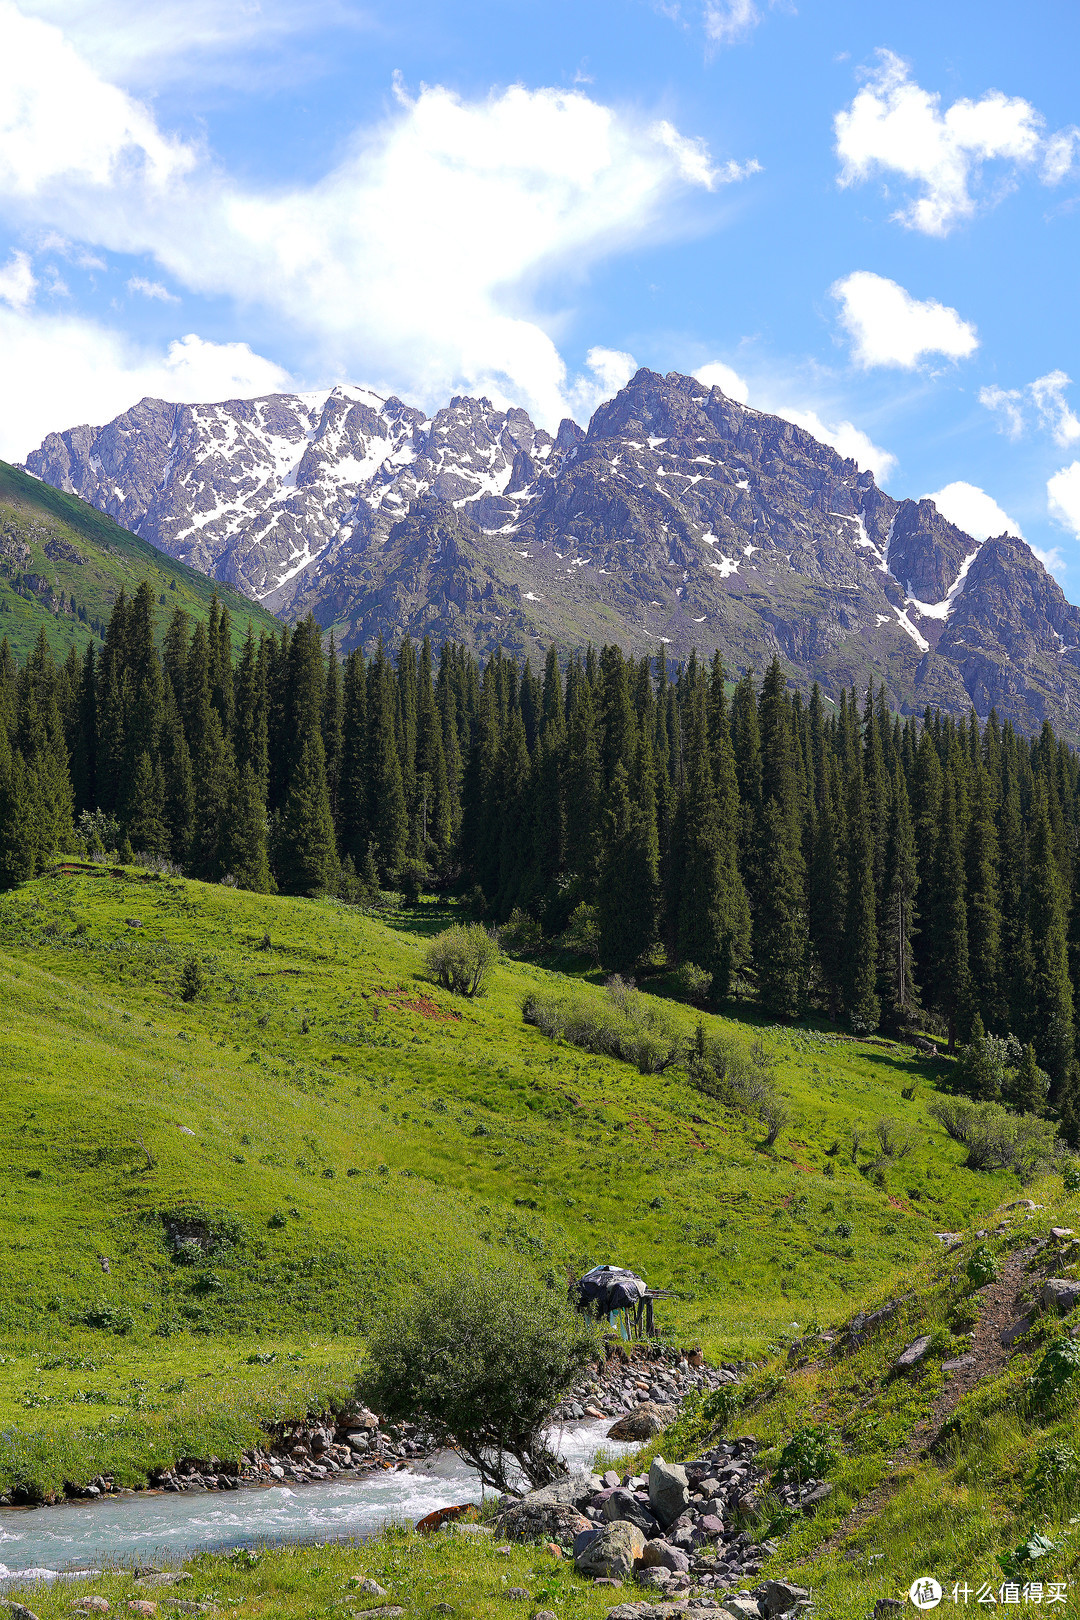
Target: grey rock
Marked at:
711, 1526
957, 1365
780, 1597
658, 1554
645, 1421
887, 1608
814, 1498
623, 1504
364, 1583
613, 1552
657, 1576
914, 1353
669, 1491
518, 1594
543, 1520
19, 1611
388, 1611
1016, 1330
1060, 1293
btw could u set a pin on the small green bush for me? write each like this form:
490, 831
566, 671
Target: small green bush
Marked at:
624, 1024
461, 959
109, 1318
522, 935
1056, 1470
1057, 1372
809, 1454
193, 979
480, 1360
1070, 1175
691, 983
982, 1268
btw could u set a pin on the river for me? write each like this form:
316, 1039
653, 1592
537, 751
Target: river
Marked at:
153, 1527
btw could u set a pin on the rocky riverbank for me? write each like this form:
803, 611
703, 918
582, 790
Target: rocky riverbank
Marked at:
642, 1386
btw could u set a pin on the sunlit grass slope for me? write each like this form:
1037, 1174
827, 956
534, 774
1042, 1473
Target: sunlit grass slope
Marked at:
332, 1127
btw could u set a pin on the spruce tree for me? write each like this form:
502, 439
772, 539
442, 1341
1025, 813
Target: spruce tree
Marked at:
899, 928
947, 921
146, 826
626, 899
248, 859
306, 852
860, 925
387, 817
1050, 993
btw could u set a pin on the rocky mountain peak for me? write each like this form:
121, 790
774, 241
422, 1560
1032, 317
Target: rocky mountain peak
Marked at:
679, 518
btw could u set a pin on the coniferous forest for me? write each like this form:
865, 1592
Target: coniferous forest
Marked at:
889, 873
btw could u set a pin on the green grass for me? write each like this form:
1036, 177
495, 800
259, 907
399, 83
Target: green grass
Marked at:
338, 1126
80, 552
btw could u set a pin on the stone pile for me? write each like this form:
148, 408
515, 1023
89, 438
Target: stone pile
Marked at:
643, 1375
680, 1530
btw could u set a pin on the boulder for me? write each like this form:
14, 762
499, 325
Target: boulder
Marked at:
915, 1352
645, 1421
657, 1577
669, 1492
657, 1554
91, 1605
19, 1611
518, 1594
532, 1520
624, 1504
780, 1597
364, 1583
711, 1526
814, 1498
1015, 1330
613, 1552
888, 1608
1060, 1293
957, 1365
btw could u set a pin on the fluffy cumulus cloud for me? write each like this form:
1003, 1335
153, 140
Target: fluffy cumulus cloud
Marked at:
1063, 497
1042, 400
724, 377
73, 370
894, 127
973, 510
843, 436
151, 289
415, 262
17, 281
888, 327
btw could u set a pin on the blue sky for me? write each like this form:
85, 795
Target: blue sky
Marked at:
863, 216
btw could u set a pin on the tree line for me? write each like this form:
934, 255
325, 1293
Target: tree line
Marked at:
816, 855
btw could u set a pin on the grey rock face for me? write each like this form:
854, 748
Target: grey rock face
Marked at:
668, 1490
1062, 1293
780, 1597
680, 519
915, 1352
613, 1552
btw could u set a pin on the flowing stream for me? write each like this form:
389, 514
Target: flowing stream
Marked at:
158, 1527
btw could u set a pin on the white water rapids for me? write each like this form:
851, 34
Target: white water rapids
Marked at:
155, 1527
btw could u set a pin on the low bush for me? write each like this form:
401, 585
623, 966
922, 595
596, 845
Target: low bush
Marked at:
809, 1454
522, 935
461, 959
691, 983
193, 979
996, 1139
623, 1024
739, 1076
480, 1360
982, 1268
1057, 1373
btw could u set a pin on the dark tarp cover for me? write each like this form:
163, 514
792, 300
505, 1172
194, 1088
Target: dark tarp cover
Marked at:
609, 1288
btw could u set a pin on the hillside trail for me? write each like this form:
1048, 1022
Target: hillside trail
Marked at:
999, 1311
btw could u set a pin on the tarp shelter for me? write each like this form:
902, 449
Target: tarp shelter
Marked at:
606, 1289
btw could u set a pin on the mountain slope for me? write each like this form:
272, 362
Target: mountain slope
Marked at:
63, 564
680, 519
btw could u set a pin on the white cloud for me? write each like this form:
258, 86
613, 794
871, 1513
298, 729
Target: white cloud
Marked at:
72, 370
1007, 406
1063, 497
973, 510
894, 126
1059, 155
17, 281
727, 21
610, 370
415, 263
151, 289
844, 437
1046, 396
890, 328
719, 375
173, 40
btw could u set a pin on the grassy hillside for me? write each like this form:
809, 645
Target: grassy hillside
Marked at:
328, 1126
63, 564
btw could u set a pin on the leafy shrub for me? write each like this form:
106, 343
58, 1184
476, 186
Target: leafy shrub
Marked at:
964, 1315
582, 933
895, 1139
480, 1360
461, 958
1070, 1175
193, 979
740, 1077
109, 1318
522, 934
844, 1230
623, 1024
721, 1406
982, 1268
996, 1139
1057, 1372
691, 983
809, 1454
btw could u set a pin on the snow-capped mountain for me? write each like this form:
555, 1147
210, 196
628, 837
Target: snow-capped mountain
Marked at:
680, 519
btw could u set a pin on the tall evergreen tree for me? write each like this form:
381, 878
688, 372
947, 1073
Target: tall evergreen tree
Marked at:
307, 855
